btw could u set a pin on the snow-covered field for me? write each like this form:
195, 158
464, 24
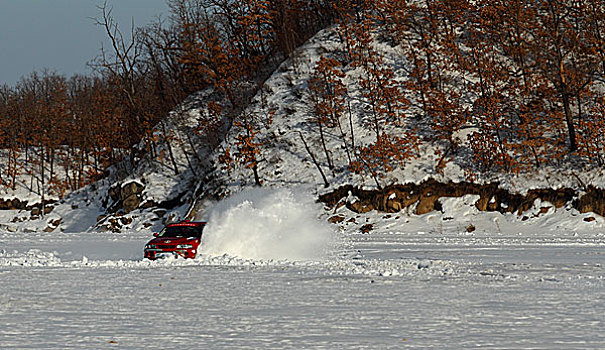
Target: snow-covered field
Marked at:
414, 281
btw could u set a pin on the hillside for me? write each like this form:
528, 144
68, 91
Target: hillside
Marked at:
387, 95
285, 161
186, 171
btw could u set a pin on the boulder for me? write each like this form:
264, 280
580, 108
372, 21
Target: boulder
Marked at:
339, 205
147, 204
160, 212
9, 228
493, 204
409, 198
112, 224
130, 194
360, 207
130, 189
131, 203
544, 210
125, 220
395, 200
55, 222
12, 204
336, 219
482, 202
592, 201
366, 228
426, 204
115, 192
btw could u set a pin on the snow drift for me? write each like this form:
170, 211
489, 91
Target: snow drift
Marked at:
268, 224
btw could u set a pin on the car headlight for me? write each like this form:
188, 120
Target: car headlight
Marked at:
150, 246
184, 246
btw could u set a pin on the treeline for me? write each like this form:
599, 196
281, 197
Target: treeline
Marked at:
64, 132
60, 132
523, 79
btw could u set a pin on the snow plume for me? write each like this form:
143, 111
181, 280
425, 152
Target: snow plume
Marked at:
268, 224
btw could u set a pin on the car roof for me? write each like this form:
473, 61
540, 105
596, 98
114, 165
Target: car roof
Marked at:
187, 223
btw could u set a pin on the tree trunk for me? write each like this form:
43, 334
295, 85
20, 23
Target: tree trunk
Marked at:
344, 140
170, 153
323, 143
323, 176
256, 177
570, 126
52, 163
351, 126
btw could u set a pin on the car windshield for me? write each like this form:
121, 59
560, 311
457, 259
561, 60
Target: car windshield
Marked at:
180, 231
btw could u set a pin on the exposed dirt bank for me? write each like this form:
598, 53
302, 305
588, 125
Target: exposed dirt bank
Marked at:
424, 198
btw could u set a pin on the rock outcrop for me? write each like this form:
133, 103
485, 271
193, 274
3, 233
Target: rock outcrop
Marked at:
131, 195
592, 201
424, 198
126, 196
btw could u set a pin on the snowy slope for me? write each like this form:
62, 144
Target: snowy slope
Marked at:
182, 170
286, 162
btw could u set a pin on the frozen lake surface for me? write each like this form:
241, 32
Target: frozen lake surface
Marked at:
377, 290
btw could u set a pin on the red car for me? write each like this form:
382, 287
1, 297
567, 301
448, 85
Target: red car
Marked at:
180, 239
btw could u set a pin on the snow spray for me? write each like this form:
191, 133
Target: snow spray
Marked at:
278, 224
